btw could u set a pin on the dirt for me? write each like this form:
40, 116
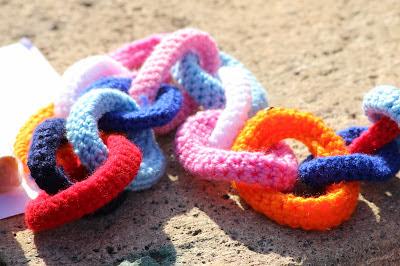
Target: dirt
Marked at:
318, 56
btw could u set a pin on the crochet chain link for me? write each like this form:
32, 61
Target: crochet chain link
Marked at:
97, 138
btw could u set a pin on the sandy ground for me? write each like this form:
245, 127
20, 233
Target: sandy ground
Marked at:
319, 56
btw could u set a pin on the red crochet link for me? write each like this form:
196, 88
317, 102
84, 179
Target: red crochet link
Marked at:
85, 197
378, 135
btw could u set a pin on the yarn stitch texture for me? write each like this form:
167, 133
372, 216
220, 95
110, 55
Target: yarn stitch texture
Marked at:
46, 153
275, 168
81, 74
132, 55
208, 90
172, 48
238, 104
382, 101
82, 198
153, 164
324, 212
47, 137
355, 167
24, 136
375, 137
165, 108
82, 132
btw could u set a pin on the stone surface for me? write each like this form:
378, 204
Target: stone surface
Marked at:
318, 56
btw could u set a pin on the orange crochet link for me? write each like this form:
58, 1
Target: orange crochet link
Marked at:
270, 126
23, 139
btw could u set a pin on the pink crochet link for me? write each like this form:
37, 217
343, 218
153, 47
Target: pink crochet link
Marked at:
275, 168
172, 48
238, 104
80, 75
133, 55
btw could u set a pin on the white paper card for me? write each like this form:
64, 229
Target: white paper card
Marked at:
27, 83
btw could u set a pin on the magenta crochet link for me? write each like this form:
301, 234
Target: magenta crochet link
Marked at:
172, 48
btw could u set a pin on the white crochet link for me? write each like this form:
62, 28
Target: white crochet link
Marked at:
80, 75
238, 104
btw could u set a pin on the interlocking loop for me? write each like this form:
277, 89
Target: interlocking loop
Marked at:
24, 136
354, 167
82, 198
201, 141
208, 91
268, 127
153, 164
172, 48
165, 108
275, 168
261, 167
83, 133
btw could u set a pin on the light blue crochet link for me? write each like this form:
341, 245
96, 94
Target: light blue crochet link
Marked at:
153, 163
381, 101
83, 133
207, 90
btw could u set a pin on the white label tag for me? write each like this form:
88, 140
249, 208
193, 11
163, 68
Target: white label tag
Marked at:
27, 83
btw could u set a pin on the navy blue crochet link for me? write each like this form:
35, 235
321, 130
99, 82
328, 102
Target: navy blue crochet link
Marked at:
42, 162
381, 166
48, 136
162, 111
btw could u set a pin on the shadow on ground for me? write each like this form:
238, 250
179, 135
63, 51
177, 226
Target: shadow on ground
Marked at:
11, 252
187, 220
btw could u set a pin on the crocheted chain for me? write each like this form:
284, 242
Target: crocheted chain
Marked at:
153, 164
172, 48
275, 168
198, 82
268, 127
46, 153
355, 167
81, 74
200, 141
82, 129
164, 109
208, 90
82, 198
133, 55
82, 132
262, 167
380, 104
